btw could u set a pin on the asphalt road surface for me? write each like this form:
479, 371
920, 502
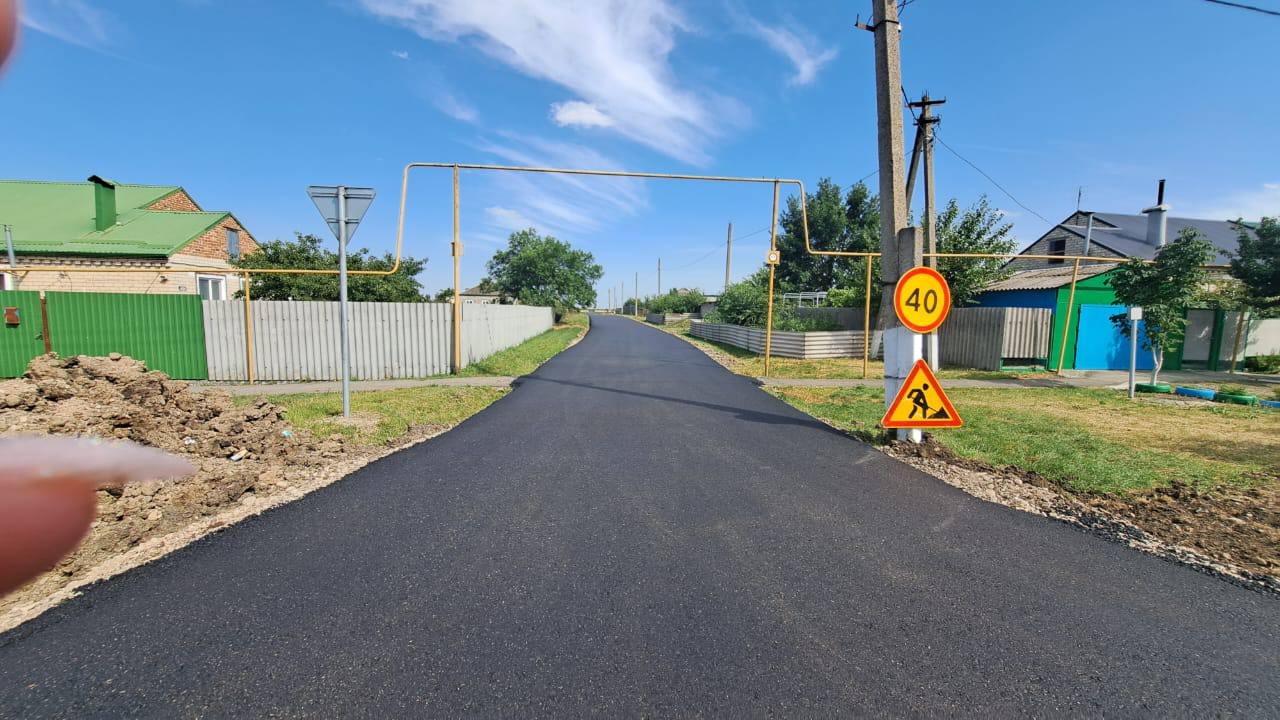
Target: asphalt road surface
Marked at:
635, 531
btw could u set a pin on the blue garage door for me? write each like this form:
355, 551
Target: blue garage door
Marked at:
1099, 344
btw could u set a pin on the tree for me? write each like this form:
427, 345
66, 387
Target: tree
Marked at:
445, 295
1163, 289
837, 221
305, 252
1256, 264
979, 229
541, 270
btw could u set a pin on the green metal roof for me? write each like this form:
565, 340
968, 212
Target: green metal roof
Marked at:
54, 218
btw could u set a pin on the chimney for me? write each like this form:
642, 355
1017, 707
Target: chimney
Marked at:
104, 203
1157, 220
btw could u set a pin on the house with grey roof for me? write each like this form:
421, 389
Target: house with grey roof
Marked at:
1120, 235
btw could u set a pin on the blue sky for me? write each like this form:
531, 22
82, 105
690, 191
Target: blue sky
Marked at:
246, 103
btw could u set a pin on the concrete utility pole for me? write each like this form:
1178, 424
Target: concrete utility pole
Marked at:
925, 139
635, 307
900, 245
728, 256
659, 276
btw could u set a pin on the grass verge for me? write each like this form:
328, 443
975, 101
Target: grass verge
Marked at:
744, 362
528, 355
1086, 441
383, 416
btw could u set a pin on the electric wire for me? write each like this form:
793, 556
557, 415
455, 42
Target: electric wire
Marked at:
990, 179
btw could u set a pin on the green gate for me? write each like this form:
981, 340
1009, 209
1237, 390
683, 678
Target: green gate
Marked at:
164, 331
21, 341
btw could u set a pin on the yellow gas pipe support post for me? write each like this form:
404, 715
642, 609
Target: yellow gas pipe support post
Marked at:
773, 246
866, 325
457, 276
1066, 325
248, 330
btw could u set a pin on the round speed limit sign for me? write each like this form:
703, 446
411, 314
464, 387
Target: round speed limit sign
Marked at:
922, 299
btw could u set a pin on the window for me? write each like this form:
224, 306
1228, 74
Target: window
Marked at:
233, 244
1057, 247
212, 287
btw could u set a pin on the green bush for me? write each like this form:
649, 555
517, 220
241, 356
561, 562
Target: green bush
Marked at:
747, 304
844, 298
788, 320
1233, 390
1263, 364
687, 301
742, 303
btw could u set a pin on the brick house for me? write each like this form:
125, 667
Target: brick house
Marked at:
108, 226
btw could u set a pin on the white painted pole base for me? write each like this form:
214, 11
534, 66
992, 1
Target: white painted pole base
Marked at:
902, 348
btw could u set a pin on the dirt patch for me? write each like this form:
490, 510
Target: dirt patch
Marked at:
1232, 533
248, 459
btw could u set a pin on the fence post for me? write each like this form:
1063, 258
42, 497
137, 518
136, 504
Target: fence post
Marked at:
248, 330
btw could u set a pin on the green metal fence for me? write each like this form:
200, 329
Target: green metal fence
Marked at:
20, 341
164, 331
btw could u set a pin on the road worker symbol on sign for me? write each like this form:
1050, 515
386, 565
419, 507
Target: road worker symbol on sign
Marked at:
921, 403
922, 299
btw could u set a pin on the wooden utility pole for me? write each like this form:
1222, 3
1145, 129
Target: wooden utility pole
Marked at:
728, 256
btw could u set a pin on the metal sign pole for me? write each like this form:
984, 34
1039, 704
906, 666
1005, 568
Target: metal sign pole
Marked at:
342, 301
1135, 314
342, 208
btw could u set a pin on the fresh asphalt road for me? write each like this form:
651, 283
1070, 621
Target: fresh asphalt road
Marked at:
635, 531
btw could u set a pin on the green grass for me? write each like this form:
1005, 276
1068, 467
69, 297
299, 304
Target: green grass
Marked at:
1088, 441
388, 414
528, 355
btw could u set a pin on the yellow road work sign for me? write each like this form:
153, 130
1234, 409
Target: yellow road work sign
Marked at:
921, 403
922, 299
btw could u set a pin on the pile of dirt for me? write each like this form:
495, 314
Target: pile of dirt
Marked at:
243, 453
1230, 532
1237, 526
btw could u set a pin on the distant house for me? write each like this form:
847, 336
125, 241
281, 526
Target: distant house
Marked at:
107, 226
1116, 235
478, 296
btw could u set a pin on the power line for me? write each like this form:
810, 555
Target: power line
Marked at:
991, 179
1242, 6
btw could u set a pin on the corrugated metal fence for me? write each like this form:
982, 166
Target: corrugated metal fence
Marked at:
983, 337
164, 331
296, 341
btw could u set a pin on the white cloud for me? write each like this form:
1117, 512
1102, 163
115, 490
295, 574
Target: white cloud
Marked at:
793, 43
1247, 204
507, 219
456, 108
72, 21
400, 54
613, 55
563, 204
430, 85
579, 114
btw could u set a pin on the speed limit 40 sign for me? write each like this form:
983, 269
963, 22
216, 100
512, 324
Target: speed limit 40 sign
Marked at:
922, 299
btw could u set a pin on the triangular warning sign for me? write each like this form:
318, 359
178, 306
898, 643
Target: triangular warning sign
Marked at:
921, 403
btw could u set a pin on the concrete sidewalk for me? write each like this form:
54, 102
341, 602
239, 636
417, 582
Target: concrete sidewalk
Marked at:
328, 386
